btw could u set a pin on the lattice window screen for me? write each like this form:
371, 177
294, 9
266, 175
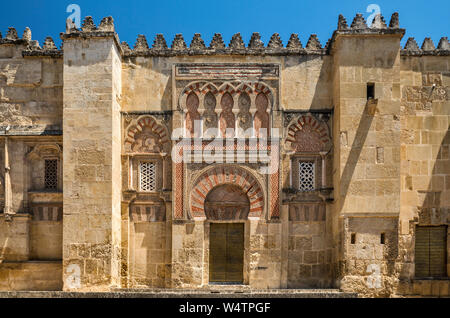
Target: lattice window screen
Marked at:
306, 176
51, 174
147, 176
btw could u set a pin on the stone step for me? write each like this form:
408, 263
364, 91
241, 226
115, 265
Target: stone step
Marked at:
188, 293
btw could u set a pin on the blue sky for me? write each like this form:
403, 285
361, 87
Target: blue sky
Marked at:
132, 17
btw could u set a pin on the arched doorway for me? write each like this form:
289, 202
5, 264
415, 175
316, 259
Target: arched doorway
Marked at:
226, 202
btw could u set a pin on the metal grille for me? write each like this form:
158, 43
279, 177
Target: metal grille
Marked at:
51, 174
306, 176
147, 179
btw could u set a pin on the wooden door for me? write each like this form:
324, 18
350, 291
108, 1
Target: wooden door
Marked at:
226, 253
431, 251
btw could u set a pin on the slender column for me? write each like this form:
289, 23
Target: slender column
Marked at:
324, 173
8, 192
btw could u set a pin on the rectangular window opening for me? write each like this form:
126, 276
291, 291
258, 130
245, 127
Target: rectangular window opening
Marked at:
382, 238
370, 91
147, 176
51, 174
353, 238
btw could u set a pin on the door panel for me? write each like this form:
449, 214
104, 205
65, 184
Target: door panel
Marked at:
226, 254
431, 251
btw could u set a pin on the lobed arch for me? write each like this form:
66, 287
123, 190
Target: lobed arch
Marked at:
216, 176
201, 88
305, 133
147, 135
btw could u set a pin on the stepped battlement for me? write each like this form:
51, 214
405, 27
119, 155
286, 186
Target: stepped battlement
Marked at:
236, 45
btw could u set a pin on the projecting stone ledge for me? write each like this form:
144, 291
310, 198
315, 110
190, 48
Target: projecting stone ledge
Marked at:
187, 293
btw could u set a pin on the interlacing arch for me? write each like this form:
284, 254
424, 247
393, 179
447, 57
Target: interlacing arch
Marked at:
220, 175
147, 135
307, 134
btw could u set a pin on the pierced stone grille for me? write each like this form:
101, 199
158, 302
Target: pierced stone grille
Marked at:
51, 174
306, 176
147, 177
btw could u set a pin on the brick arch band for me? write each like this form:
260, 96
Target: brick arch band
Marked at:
306, 133
216, 176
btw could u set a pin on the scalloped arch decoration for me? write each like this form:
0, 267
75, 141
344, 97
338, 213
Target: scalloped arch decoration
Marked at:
147, 135
307, 134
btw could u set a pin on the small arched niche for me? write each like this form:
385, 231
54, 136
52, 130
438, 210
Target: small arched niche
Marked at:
227, 202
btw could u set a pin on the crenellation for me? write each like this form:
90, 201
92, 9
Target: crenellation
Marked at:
394, 23
358, 22
255, 41
217, 42
342, 23
88, 25
12, 34
428, 45
236, 42
444, 45
294, 42
159, 43
26, 34
275, 42
178, 43
141, 44
378, 22
197, 42
49, 44
313, 43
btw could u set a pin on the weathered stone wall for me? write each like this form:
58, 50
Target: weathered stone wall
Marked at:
425, 165
30, 90
92, 174
309, 247
368, 181
304, 80
147, 254
28, 276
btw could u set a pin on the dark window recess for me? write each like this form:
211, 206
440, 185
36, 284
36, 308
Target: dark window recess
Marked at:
431, 251
382, 238
353, 238
370, 91
51, 174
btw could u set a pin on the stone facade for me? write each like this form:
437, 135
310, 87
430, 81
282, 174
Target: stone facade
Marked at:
109, 179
